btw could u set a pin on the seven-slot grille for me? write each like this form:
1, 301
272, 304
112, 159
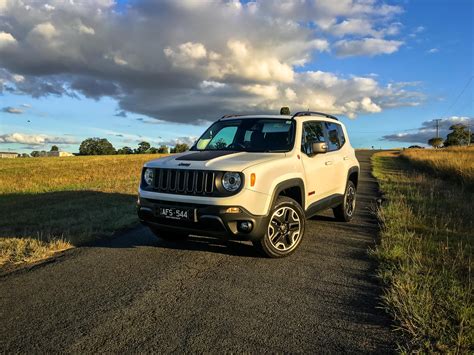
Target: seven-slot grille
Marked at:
180, 181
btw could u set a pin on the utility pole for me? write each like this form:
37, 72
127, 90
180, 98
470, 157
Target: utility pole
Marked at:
437, 127
469, 130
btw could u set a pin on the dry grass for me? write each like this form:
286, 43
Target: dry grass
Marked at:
51, 204
455, 163
426, 253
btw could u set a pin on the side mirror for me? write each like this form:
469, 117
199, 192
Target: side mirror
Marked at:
320, 148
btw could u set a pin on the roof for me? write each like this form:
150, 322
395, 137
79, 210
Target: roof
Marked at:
8, 153
282, 117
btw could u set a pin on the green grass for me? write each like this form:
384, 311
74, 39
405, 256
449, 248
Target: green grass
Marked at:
51, 204
426, 256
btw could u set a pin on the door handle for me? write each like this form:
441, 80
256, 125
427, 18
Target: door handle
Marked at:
346, 158
329, 162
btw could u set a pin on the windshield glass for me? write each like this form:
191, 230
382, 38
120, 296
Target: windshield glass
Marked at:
249, 135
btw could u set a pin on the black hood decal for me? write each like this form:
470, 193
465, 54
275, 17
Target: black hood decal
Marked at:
205, 155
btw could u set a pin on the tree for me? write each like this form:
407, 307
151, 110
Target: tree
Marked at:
436, 142
54, 148
285, 111
35, 154
25, 155
125, 150
179, 148
458, 136
163, 149
152, 150
96, 146
142, 147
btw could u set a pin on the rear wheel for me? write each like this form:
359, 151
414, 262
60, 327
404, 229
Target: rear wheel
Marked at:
167, 235
345, 211
285, 229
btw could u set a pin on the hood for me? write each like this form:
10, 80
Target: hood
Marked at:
213, 160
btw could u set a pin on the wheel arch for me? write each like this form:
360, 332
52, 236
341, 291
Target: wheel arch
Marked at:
353, 175
293, 188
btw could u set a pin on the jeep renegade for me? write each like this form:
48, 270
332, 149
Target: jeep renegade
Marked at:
254, 178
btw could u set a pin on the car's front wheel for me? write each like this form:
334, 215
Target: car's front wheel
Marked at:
285, 229
345, 211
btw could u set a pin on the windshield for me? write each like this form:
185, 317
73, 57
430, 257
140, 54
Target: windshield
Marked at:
249, 135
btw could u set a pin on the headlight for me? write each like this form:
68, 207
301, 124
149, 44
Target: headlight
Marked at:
231, 181
148, 176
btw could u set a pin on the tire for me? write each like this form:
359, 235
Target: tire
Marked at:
346, 210
168, 236
286, 216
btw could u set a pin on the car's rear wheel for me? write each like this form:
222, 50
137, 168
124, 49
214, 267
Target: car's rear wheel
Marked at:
285, 229
167, 235
345, 211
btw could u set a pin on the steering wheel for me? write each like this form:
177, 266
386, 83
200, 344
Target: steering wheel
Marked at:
236, 145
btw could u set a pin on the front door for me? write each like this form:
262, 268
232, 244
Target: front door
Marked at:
318, 168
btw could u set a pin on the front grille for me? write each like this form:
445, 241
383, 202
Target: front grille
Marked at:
185, 182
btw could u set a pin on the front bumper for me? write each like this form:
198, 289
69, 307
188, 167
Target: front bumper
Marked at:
211, 220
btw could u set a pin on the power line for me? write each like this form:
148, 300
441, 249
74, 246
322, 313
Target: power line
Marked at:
460, 94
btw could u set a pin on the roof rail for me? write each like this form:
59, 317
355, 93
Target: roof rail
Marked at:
314, 113
228, 116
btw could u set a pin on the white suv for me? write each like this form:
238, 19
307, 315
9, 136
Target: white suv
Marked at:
253, 178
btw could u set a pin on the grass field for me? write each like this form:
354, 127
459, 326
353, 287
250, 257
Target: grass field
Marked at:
455, 164
51, 204
426, 246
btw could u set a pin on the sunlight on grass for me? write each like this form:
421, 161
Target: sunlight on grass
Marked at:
76, 198
426, 254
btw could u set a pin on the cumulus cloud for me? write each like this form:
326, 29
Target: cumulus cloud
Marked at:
189, 140
35, 139
367, 46
6, 40
14, 110
428, 130
251, 59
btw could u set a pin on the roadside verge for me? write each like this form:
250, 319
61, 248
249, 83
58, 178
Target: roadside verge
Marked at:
425, 256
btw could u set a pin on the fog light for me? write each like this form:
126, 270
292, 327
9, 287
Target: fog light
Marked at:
245, 226
232, 210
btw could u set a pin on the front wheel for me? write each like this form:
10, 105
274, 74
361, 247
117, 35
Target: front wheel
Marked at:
285, 229
345, 211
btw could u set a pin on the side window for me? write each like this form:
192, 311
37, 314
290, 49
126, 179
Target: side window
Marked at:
313, 132
340, 133
334, 138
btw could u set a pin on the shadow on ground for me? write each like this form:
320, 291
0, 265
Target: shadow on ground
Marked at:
77, 216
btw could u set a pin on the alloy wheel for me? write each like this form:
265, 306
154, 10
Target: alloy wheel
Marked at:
284, 229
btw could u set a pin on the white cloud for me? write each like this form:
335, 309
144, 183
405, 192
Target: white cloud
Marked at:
46, 30
6, 40
428, 130
367, 46
85, 29
432, 51
13, 110
35, 139
252, 58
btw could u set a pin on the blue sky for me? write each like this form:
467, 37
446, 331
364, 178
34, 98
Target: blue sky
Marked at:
386, 68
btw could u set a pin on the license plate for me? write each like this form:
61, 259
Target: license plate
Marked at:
176, 213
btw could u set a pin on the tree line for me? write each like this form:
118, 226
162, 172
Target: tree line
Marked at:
459, 135
101, 146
